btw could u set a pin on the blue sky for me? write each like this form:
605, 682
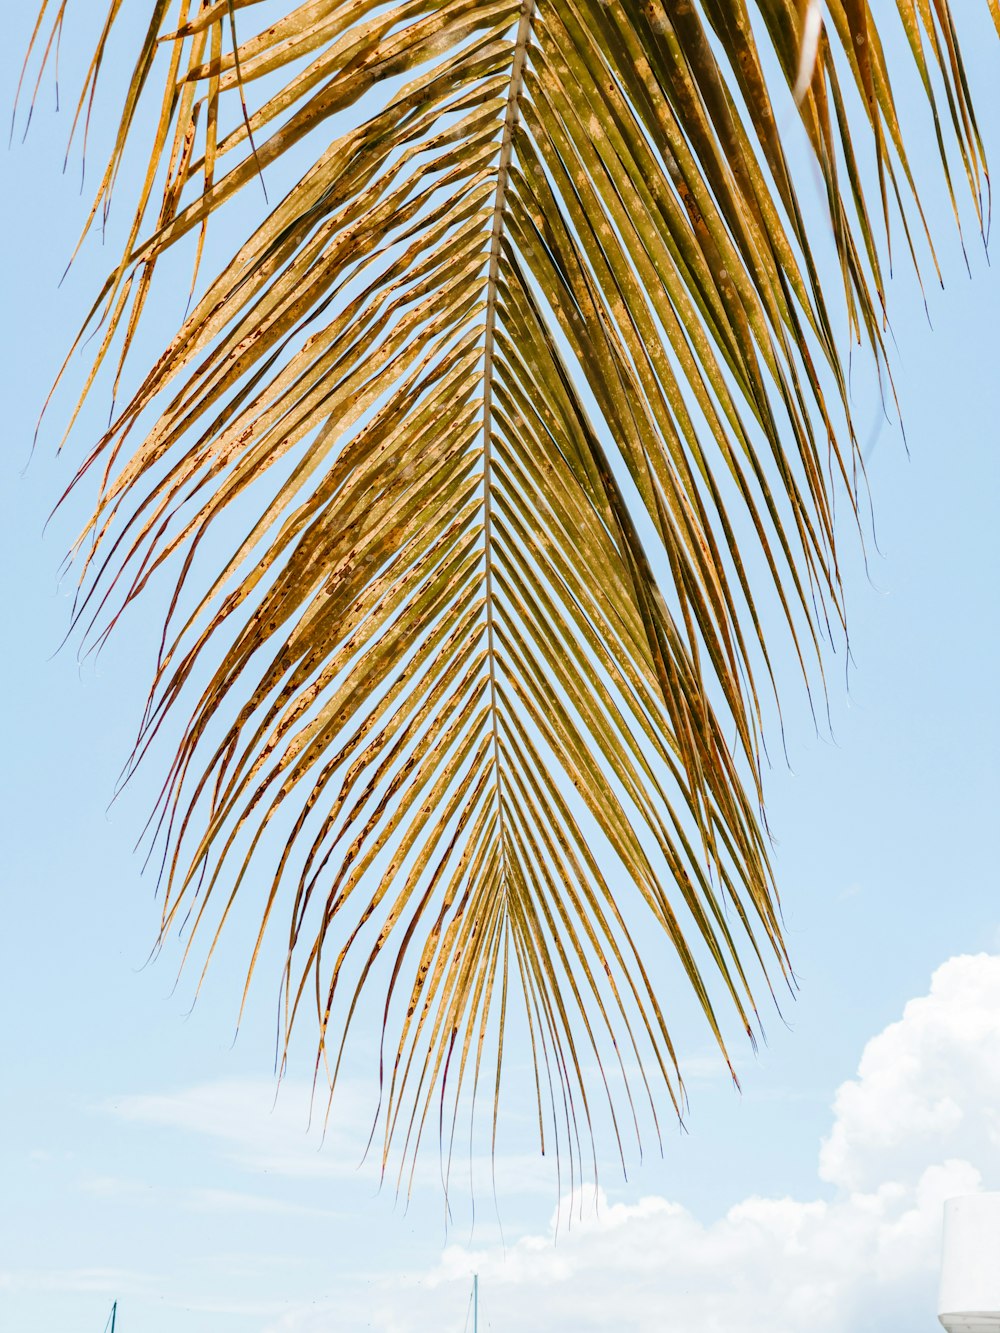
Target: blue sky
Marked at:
140, 1155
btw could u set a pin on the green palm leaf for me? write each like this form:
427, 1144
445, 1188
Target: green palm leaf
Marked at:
519, 404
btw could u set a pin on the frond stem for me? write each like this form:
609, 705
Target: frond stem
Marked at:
511, 116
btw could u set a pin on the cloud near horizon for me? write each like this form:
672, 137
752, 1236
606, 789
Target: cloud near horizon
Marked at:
917, 1124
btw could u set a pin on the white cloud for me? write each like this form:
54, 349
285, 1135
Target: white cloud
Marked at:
929, 1084
916, 1125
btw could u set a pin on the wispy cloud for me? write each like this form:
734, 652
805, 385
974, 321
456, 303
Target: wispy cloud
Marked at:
240, 1201
262, 1130
275, 1136
112, 1187
112, 1282
200, 1199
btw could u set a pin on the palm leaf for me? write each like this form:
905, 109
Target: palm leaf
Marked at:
517, 418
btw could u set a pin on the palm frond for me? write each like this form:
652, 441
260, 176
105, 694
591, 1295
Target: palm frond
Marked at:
528, 401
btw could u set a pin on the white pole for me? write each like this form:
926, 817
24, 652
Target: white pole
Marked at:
475, 1303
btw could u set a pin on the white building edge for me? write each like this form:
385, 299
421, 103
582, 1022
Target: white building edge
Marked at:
969, 1297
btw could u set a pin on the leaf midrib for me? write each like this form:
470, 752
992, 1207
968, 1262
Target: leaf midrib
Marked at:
511, 117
